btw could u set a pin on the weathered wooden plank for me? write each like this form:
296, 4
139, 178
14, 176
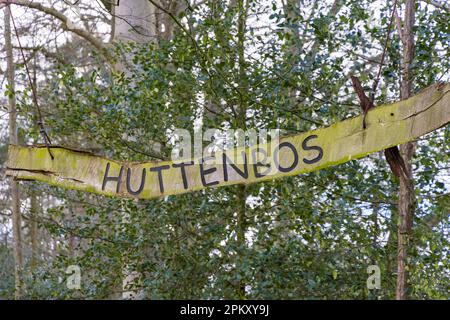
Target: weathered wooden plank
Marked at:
387, 126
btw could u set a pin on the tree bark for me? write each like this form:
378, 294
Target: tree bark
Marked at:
406, 191
134, 21
67, 25
13, 139
241, 191
34, 230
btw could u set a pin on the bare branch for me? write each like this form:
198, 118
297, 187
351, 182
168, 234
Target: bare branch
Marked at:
398, 23
438, 4
67, 24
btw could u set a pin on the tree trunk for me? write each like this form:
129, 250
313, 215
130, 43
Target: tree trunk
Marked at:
34, 203
134, 21
34, 230
406, 191
13, 139
241, 191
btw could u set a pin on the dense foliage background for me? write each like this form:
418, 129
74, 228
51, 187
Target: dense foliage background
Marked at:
239, 64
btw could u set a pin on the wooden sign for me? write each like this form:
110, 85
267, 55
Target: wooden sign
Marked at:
387, 126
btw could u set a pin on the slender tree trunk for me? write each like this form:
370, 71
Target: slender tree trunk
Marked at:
5, 240
34, 230
13, 139
134, 21
241, 192
406, 192
34, 203
241, 227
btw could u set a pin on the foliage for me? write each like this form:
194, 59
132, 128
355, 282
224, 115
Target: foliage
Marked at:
307, 237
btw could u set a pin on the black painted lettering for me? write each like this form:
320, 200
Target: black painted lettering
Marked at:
160, 178
276, 155
307, 148
182, 166
226, 161
106, 178
141, 186
257, 164
204, 172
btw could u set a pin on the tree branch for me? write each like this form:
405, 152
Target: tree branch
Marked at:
67, 24
398, 23
438, 4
